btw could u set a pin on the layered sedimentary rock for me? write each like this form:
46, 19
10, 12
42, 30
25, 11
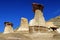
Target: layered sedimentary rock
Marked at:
24, 25
38, 21
56, 23
8, 27
50, 24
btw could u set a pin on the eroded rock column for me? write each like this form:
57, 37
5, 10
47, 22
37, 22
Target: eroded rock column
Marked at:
23, 25
8, 27
38, 19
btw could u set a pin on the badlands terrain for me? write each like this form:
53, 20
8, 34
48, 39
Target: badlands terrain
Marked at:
29, 36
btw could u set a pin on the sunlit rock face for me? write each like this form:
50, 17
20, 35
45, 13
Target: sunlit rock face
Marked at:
33, 22
24, 25
40, 21
8, 27
58, 30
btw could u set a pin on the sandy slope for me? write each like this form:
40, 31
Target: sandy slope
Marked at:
34, 36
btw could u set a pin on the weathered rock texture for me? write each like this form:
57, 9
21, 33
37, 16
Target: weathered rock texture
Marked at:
38, 21
56, 21
24, 25
50, 24
8, 27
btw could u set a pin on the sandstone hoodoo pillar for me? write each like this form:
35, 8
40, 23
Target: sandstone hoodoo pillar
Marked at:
8, 27
23, 26
38, 19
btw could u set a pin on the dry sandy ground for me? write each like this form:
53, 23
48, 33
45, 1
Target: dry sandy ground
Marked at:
34, 36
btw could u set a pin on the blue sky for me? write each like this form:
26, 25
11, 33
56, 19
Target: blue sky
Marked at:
13, 10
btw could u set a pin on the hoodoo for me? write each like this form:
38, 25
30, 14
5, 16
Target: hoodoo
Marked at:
38, 19
24, 25
8, 27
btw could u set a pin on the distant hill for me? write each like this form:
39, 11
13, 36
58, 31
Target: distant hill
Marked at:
56, 21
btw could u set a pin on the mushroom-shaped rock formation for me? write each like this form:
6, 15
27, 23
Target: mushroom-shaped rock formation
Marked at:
38, 19
8, 27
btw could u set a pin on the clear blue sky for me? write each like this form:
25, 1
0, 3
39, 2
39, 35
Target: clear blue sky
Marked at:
13, 10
